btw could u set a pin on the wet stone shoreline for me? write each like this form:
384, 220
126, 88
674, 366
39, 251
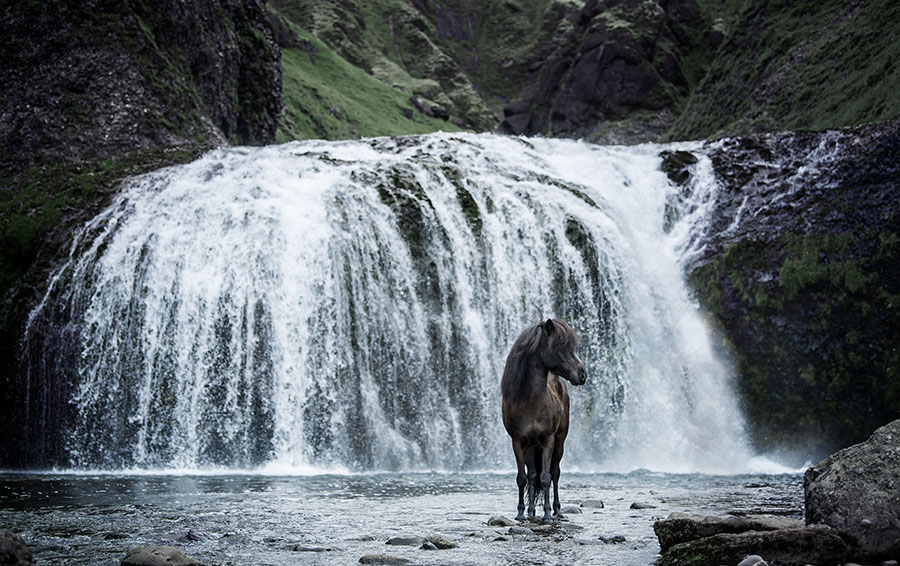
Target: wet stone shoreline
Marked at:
375, 518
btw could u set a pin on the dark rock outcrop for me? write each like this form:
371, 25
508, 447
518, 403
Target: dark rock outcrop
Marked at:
13, 550
786, 547
680, 527
616, 77
800, 272
857, 492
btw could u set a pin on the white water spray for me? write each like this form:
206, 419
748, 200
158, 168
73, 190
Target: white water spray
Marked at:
349, 305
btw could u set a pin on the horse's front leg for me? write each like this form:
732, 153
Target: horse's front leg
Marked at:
554, 474
546, 459
521, 479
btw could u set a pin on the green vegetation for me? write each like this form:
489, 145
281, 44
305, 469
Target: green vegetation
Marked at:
327, 97
793, 66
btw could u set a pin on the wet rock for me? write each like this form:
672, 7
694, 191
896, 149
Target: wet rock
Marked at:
502, 538
680, 527
442, 543
592, 504
615, 539
785, 547
189, 535
428, 546
753, 560
232, 538
520, 531
500, 521
406, 540
570, 510
857, 491
13, 550
308, 548
157, 556
639, 505
385, 559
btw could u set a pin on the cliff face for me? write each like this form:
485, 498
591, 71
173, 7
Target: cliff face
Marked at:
800, 275
93, 91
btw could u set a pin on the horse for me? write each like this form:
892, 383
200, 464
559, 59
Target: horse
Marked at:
536, 407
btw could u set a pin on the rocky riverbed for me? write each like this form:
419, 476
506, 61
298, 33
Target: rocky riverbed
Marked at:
339, 519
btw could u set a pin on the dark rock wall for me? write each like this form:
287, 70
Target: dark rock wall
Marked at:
805, 287
618, 75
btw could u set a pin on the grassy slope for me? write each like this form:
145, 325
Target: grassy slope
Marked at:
327, 97
788, 66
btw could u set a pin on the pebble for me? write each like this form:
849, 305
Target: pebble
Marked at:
592, 503
385, 559
408, 540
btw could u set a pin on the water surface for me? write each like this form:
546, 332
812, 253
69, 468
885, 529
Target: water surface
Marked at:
265, 520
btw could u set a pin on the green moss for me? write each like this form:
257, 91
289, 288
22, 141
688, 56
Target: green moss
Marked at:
327, 97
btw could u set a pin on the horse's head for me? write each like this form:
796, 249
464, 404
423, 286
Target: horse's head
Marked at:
558, 353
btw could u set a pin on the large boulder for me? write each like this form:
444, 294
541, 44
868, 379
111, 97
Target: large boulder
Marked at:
785, 547
857, 491
680, 527
13, 550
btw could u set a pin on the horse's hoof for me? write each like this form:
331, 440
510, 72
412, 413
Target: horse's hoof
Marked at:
547, 519
520, 517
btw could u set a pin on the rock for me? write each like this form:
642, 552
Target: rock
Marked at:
428, 546
520, 531
501, 538
857, 491
785, 547
592, 504
306, 548
615, 539
639, 505
500, 521
679, 527
408, 540
13, 550
570, 510
442, 543
385, 559
157, 556
753, 560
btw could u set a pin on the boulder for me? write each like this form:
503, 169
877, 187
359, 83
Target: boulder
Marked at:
13, 550
857, 492
680, 527
786, 547
157, 556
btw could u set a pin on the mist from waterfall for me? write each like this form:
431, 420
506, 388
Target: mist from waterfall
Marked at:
349, 306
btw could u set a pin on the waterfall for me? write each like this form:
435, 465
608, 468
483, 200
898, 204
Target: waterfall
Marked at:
349, 306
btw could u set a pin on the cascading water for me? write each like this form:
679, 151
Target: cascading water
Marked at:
349, 305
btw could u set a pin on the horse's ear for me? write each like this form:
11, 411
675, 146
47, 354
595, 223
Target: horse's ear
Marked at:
548, 326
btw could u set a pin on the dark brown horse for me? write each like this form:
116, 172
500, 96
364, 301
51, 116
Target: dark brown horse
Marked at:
536, 407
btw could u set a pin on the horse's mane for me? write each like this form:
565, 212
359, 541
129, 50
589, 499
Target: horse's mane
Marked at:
561, 339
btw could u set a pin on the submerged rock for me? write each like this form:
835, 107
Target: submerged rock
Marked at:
157, 556
785, 547
857, 491
13, 550
406, 540
385, 559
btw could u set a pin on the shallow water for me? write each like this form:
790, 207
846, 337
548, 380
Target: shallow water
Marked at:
260, 520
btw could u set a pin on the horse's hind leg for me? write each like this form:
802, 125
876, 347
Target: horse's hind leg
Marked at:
534, 469
521, 479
